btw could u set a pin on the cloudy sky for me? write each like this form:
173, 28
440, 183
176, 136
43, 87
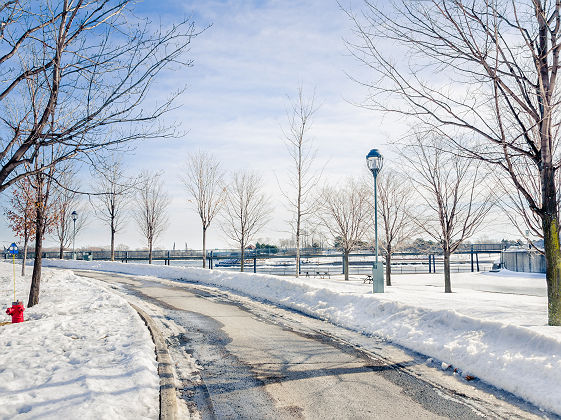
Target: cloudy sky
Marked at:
253, 55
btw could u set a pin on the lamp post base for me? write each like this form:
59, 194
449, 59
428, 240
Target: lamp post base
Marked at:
378, 277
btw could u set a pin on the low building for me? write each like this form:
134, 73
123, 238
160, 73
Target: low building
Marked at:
518, 258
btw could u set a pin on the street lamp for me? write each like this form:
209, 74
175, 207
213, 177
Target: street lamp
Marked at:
374, 161
74, 217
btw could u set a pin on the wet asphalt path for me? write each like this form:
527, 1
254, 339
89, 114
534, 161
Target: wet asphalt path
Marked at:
260, 365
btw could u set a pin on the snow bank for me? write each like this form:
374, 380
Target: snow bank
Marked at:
523, 360
81, 353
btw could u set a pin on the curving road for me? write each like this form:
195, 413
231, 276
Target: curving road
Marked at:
257, 361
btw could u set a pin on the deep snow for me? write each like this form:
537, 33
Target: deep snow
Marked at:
493, 327
82, 353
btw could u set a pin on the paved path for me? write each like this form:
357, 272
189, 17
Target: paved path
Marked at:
262, 362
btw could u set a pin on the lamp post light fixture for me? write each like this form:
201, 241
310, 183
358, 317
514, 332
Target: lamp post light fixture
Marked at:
375, 161
74, 217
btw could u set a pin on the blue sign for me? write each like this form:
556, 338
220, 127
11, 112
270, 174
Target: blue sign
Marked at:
13, 249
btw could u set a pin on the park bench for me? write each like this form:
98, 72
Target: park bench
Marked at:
323, 274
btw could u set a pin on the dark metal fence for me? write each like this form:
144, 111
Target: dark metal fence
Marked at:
314, 262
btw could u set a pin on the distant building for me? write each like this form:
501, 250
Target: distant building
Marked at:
523, 259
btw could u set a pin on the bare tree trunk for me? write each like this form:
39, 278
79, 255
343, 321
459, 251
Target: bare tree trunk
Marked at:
204, 247
242, 253
550, 222
447, 282
112, 243
150, 251
346, 263
388, 265
36, 276
61, 251
24, 259
298, 248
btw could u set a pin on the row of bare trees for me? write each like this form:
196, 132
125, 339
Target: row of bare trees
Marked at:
444, 200
58, 196
442, 195
242, 205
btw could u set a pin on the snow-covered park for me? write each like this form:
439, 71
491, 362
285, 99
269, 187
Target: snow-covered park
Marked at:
493, 327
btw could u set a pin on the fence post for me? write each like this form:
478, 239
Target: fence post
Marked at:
477, 260
430, 264
255, 264
126, 256
471, 256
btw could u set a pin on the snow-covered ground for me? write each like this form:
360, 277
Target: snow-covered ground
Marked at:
493, 327
83, 352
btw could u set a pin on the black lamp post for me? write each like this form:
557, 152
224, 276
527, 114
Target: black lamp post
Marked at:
375, 161
74, 217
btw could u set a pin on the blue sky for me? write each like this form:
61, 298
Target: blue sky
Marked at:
251, 57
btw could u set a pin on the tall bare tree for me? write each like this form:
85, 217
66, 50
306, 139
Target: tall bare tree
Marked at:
67, 200
246, 210
485, 68
204, 183
455, 202
45, 218
301, 179
113, 192
346, 214
395, 204
93, 64
151, 204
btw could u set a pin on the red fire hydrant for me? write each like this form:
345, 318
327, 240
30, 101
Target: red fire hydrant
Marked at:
16, 311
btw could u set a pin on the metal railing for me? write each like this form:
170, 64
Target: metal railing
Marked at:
314, 262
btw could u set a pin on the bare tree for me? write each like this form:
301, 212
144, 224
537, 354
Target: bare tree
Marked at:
92, 64
346, 214
302, 180
395, 204
488, 69
456, 203
151, 205
113, 192
21, 215
246, 209
204, 183
65, 201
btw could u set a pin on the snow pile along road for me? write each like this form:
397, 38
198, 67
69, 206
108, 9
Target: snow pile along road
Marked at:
523, 360
83, 352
